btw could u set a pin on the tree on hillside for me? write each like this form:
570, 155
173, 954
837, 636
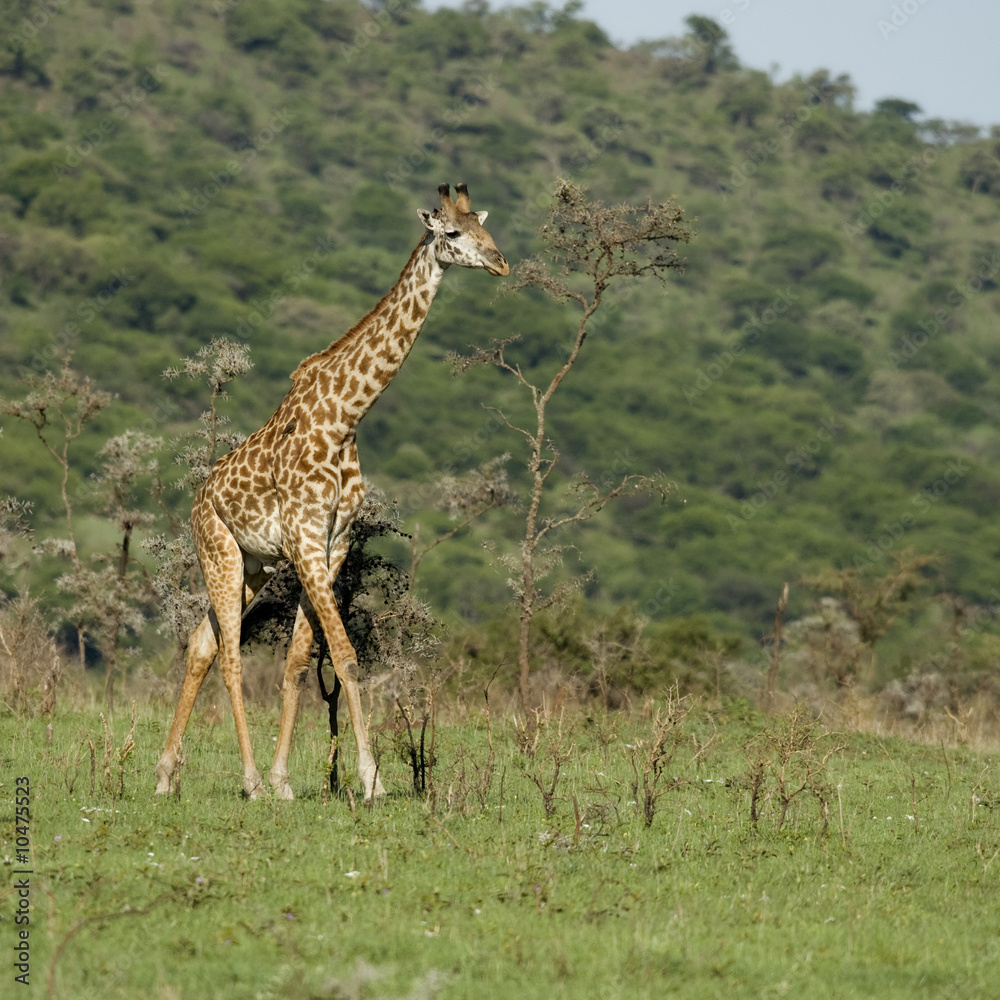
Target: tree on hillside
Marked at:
713, 44
898, 107
587, 248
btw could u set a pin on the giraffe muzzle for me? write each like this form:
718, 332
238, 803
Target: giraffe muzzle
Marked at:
501, 270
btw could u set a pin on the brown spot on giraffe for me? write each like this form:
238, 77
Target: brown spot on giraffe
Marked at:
303, 501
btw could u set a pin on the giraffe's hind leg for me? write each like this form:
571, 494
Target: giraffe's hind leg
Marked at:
219, 634
202, 649
296, 667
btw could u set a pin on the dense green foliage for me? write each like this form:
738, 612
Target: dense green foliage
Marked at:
821, 382
479, 890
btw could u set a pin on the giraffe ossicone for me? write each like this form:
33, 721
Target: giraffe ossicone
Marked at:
292, 489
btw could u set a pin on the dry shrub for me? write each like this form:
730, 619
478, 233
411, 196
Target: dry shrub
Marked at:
107, 776
548, 746
916, 709
650, 756
788, 760
30, 666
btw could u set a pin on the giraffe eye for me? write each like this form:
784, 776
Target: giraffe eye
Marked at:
452, 234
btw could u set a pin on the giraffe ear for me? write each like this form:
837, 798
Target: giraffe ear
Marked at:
425, 217
482, 216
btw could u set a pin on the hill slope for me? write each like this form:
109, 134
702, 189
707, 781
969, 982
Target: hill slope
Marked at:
821, 383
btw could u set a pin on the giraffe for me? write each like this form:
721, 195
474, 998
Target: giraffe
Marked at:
291, 490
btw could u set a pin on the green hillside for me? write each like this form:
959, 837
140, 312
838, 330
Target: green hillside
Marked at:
821, 382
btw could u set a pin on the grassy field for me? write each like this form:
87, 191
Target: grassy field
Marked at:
882, 881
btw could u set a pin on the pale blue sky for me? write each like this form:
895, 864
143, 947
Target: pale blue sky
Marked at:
941, 54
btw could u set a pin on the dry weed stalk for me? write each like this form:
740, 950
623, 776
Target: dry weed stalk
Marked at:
114, 759
650, 758
470, 778
555, 749
416, 755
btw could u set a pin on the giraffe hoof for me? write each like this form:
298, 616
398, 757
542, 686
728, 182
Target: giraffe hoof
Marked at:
375, 792
253, 787
164, 779
282, 789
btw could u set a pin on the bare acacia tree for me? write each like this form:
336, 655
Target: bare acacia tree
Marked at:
587, 248
465, 498
111, 600
182, 605
14, 524
59, 405
220, 362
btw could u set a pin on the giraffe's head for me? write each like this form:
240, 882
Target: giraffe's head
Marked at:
458, 235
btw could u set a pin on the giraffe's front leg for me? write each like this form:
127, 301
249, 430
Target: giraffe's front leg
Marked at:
316, 580
347, 671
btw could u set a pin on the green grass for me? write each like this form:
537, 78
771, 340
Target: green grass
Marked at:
208, 894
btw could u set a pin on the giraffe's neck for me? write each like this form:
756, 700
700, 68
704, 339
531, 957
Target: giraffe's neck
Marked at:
363, 362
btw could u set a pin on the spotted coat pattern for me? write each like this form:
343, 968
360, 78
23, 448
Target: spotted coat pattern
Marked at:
291, 490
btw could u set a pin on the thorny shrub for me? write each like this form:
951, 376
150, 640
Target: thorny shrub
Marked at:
786, 760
